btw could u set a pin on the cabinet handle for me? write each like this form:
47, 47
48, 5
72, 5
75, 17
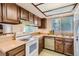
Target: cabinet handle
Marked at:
77, 38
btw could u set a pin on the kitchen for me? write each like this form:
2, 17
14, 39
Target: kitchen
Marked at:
39, 29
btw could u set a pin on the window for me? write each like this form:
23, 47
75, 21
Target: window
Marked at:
65, 24
56, 24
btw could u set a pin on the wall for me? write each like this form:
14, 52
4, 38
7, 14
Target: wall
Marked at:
48, 27
19, 28
7, 28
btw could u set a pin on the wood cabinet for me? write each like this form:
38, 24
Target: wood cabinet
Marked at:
43, 23
64, 45
68, 46
59, 47
31, 17
24, 14
0, 12
19, 51
41, 44
37, 21
10, 13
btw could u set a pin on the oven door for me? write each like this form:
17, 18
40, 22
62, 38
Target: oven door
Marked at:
32, 48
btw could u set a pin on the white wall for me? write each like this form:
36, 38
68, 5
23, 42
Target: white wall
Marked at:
76, 34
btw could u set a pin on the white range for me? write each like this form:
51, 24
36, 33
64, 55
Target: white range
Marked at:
31, 44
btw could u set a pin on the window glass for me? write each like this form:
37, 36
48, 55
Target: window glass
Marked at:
65, 24
56, 24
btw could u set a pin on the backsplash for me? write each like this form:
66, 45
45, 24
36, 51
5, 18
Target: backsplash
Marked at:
25, 26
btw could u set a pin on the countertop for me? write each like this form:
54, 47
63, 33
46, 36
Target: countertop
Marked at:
10, 44
44, 34
72, 37
60, 36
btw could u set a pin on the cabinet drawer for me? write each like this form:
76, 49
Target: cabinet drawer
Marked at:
22, 53
16, 50
60, 39
59, 46
69, 40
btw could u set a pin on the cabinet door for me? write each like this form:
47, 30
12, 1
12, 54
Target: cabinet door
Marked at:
41, 44
0, 13
43, 23
10, 13
31, 17
35, 21
59, 46
68, 48
38, 21
17, 51
24, 14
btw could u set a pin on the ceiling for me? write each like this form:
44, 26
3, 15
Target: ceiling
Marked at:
48, 9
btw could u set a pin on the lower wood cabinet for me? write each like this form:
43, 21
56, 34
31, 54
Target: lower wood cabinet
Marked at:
19, 51
59, 47
68, 46
41, 44
64, 45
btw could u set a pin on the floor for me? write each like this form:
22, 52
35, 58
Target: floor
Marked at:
50, 53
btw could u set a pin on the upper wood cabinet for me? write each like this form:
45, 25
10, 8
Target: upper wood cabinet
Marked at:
43, 23
31, 17
37, 21
10, 13
0, 12
24, 14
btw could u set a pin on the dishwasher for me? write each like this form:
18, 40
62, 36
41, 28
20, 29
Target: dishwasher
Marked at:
49, 43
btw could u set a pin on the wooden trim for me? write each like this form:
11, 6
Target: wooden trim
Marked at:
25, 49
1, 12
39, 4
75, 6
38, 9
33, 19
